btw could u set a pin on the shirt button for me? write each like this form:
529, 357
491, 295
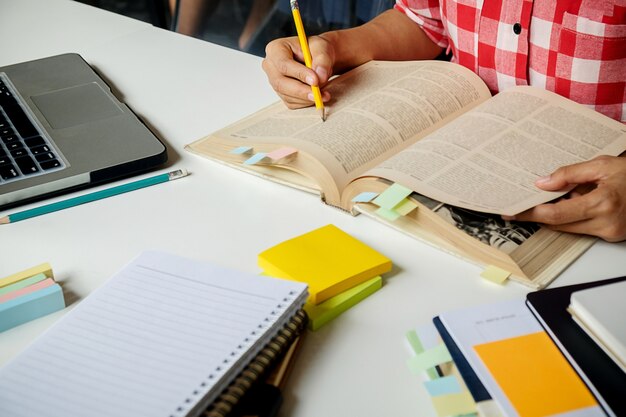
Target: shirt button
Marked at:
517, 28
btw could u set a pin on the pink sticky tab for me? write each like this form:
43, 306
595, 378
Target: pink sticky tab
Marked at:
27, 290
281, 153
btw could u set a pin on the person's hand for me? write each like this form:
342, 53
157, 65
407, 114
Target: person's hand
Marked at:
290, 78
597, 206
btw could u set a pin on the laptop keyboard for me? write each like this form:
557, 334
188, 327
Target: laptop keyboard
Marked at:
25, 150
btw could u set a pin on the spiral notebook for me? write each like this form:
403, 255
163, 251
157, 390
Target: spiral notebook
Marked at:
166, 336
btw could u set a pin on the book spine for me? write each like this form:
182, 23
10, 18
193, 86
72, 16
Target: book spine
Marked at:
258, 368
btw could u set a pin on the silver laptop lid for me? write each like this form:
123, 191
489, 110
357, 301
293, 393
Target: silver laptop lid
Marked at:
81, 134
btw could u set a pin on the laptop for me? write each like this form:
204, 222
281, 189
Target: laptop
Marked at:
62, 129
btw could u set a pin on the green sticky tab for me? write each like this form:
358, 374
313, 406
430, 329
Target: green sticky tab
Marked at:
324, 312
495, 274
429, 359
392, 196
405, 207
22, 284
387, 214
416, 345
414, 341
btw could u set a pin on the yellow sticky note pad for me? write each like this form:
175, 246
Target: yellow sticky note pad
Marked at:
44, 268
324, 312
534, 376
495, 274
329, 260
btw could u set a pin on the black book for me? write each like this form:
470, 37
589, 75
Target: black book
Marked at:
604, 378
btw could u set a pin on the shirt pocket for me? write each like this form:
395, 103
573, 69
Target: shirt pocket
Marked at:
591, 61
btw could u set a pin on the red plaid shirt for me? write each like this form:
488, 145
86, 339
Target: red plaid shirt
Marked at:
576, 48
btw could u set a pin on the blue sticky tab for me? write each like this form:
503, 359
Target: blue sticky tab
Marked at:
31, 306
256, 158
365, 197
443, 386
242, 150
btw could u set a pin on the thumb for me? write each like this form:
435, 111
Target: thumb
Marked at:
568, 176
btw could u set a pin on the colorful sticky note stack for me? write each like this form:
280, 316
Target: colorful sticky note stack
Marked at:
27, 295
339, 269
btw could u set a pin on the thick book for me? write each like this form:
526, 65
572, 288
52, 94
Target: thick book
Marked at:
600, 311
433, 128
166, 336
604, 377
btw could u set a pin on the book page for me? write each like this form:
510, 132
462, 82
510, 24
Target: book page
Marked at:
161, 337
377, 109
488, 159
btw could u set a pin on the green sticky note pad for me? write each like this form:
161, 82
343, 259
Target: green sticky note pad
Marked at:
23, 283
328, 259
323, 313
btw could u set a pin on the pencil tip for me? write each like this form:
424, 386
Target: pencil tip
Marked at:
323, 113
5, 220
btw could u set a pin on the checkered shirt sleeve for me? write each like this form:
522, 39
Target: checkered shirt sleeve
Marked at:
576, 48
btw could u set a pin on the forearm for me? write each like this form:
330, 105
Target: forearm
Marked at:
391, 36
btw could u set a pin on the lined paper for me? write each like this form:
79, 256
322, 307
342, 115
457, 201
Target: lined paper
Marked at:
160, 338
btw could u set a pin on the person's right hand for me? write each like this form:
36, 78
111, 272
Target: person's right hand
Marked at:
290, 78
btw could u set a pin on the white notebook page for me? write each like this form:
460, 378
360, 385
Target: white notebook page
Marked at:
152, 341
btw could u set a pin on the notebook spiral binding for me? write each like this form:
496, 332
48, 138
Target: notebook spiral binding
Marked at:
258, 367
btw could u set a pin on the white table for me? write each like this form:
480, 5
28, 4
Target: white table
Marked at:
185, 88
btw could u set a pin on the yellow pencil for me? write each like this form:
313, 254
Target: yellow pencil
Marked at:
317, 95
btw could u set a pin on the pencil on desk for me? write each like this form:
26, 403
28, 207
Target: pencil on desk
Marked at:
97, 195
308, 61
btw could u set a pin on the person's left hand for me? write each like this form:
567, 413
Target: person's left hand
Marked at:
597, 206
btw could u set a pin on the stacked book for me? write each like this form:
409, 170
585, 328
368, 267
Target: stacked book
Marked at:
559, 352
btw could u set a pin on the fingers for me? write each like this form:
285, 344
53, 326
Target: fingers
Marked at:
601, 212
583, 172
289, 77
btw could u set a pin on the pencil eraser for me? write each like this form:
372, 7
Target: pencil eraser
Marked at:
30, 306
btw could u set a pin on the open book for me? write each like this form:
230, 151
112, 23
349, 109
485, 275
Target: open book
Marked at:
434, 128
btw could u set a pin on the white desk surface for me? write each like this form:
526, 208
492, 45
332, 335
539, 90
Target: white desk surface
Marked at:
185, 88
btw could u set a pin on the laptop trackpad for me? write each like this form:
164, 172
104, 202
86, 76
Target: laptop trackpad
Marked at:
76, 105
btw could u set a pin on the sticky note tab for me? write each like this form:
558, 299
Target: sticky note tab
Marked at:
443, 386
44, 268
242, 150
328, 259
495, 274
324, 312
365, 197
31, 306
534, 375
405, 207
281, 153
418, 346
429, 359
392, 196
454, 404
23, 283
26, 290
255, 159
387, 214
